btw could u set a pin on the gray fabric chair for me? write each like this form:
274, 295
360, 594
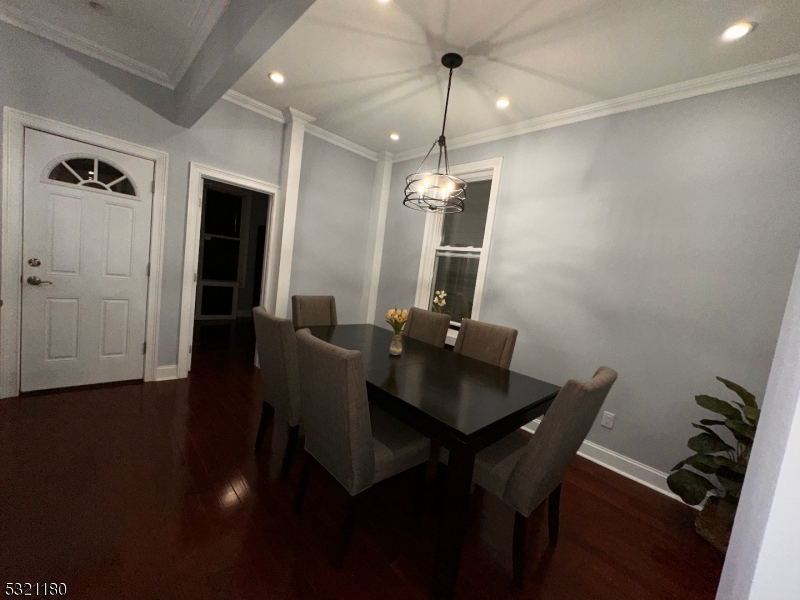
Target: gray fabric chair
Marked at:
524, 471
427, 326
310, 311
358, 444
488, 343
277, 359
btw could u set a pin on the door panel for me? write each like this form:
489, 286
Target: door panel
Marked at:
86, 239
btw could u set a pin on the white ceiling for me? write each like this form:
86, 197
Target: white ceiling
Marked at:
365, 69
155, 39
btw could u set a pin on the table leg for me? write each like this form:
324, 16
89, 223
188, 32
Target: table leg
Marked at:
454, 520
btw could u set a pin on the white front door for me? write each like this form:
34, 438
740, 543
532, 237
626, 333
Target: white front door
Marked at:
86, 239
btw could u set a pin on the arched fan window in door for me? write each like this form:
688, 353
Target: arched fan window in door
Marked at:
92, 173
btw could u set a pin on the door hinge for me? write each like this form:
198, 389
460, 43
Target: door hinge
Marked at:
153, 187
144, 348
148, 269
200, 202
190, 348
195, 277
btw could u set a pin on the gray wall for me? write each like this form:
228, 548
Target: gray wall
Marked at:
333, 214
660, 242
36, 76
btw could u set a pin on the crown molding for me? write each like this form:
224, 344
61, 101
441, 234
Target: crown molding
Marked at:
61, 36
290, 115
774, 69
273, 113
254, 105
338, 140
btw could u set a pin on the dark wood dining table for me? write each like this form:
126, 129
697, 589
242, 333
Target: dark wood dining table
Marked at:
462, 403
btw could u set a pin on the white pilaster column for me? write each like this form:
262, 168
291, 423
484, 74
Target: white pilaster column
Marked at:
281, 244
377, 230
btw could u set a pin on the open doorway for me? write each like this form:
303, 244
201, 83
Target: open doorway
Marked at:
227, 268
230, 264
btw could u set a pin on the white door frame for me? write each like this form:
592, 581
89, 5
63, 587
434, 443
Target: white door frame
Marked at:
194, 210
14, 124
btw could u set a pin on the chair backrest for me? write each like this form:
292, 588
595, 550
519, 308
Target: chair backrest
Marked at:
336, 411
492, 344
427, 326
277, 359
310, 311
544, 461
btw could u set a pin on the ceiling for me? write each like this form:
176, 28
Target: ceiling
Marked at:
365, 68
155, 39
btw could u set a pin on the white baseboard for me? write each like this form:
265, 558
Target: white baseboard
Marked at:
166, 372
632, 469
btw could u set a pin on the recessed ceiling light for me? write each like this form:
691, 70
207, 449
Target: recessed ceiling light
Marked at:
394, 136
277, 77
737, 31
503, 102
383, 1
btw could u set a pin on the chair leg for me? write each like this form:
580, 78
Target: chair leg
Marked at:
352, 512
553, 503
288, 454
266, 414
518, 548
308, 465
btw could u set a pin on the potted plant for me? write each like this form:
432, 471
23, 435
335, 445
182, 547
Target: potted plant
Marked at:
717, 468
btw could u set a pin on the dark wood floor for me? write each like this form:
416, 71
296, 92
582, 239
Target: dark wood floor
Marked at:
153, 492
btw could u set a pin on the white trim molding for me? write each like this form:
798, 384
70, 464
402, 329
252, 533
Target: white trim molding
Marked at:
377, 233
14, 124
166, 372
281, 245
194, 213
627, 467
475, 171
774, 69
273, 113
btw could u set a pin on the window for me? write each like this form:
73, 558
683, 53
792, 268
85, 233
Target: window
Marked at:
92, 173
456, 246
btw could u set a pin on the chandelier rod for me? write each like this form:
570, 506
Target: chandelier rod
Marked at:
444, 123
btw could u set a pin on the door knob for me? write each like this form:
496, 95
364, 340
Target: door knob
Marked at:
33, 280
34, 262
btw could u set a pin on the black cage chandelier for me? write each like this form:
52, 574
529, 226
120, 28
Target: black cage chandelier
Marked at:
438, 191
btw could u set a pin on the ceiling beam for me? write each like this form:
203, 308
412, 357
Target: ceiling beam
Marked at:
243, 34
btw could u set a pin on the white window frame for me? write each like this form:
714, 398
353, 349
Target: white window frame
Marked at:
475, 171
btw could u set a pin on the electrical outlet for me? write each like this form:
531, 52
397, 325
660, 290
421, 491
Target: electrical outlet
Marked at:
608, 420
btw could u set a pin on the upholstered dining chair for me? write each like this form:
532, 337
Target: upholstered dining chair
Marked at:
309, 311
492, 344
359, 444
277, 359
427, 326
524, 471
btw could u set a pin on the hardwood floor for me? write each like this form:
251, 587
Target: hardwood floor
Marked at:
152, 491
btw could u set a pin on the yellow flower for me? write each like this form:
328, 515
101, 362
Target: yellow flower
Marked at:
404, 314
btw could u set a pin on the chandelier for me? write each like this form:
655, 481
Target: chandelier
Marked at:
438, 191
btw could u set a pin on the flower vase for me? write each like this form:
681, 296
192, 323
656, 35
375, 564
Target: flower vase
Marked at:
396, 347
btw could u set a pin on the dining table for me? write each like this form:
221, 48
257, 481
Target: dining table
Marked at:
459, 402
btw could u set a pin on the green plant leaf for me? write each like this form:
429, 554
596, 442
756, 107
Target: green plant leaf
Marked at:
718, 406
747, 432
712, 422
723, 461
731, 482
704, 428
708, 444
752, 414
703, 463
748, 398
691, 487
